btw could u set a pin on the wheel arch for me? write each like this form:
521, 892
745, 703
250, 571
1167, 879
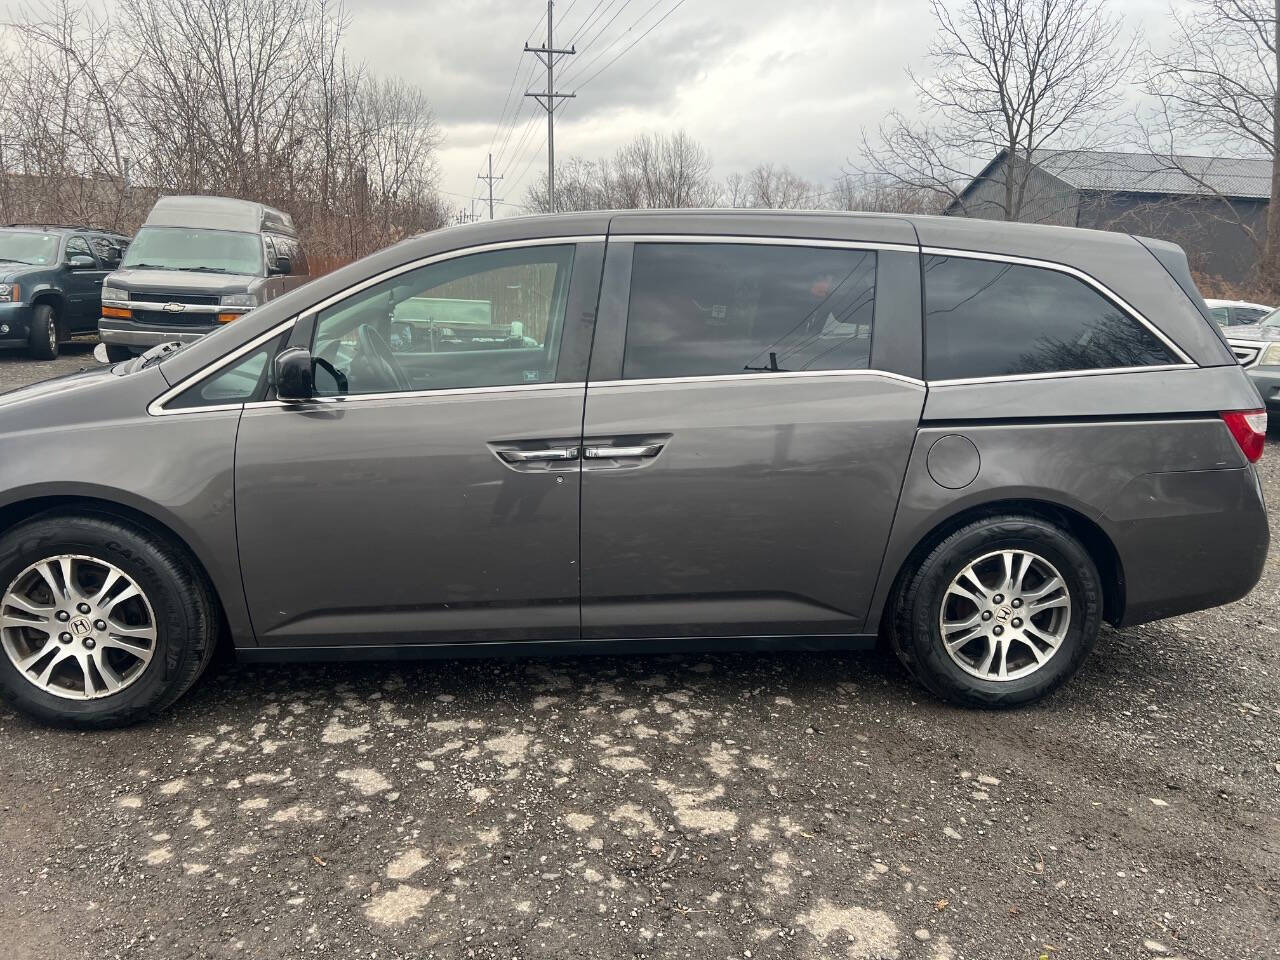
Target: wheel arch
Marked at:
18, 511
53, 298
1095, 540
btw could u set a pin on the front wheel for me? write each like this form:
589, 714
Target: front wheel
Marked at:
42, 340
101, 623
1000, 613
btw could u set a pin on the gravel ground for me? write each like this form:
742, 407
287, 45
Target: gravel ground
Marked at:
732, 806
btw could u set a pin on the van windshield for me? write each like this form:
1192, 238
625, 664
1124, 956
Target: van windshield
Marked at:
23, 247
185, 248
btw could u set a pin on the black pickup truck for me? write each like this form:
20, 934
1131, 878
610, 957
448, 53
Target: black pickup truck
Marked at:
51, 283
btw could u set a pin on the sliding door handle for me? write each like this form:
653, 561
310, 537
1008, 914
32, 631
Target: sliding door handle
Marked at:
530, 456
618, 453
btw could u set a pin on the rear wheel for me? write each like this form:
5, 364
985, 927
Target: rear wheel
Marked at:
1000, 613
101, 623
42, 340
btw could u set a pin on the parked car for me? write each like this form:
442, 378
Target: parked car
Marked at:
50, 280
196, 264
1257, 347
714, 430
1236, 313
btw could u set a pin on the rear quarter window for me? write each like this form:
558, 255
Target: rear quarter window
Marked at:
986, 318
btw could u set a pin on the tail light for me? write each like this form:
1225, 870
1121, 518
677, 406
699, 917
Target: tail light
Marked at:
1249, 427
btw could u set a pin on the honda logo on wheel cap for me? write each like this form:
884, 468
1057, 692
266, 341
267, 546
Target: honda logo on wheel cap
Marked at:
174, 307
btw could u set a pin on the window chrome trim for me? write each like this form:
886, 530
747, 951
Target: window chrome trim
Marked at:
1059, 374
761, 241
1098, 285
759, 375
156, 407
407, 395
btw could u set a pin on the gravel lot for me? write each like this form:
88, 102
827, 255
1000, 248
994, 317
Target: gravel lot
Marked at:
732, 806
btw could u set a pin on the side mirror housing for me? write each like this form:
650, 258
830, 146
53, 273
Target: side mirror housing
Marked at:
283, 265
295, 378
81, 262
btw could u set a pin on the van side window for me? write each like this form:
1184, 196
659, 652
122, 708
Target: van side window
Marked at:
984, 318
706, 309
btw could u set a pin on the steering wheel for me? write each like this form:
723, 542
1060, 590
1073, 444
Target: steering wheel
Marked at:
378, 358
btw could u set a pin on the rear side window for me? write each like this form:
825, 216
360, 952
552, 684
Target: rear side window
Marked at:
706, 309
989, 319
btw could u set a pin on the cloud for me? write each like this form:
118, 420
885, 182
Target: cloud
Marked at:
753, 80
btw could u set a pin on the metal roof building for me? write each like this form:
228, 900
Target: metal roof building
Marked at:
1213, 206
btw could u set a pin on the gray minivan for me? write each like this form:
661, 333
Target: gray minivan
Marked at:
196, 264
644, 431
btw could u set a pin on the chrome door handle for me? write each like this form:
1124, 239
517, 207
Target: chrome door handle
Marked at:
612, 453
528, 456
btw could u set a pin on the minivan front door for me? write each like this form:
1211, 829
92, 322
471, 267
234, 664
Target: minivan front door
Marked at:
750, 411
433, 496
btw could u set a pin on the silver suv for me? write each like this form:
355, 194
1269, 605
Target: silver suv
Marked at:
644, 431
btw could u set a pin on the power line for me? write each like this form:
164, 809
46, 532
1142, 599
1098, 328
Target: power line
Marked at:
655, 25
581, 68
607, 24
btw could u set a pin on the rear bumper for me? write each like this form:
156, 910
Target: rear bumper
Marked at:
1267, 380
129, 333
1188, 540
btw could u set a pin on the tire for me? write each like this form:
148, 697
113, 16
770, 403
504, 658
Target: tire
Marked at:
42, 339
117, 353
964, 677
175, 605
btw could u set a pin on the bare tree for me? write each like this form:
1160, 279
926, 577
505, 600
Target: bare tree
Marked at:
1009, 78
248, 98
653, 171
769, 186
1217, 87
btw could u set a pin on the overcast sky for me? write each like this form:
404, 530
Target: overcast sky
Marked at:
791, 81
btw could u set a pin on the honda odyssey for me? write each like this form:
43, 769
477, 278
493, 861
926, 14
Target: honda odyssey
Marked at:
638, 432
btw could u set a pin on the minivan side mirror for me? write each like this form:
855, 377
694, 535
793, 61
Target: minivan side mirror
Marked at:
81, 262
283, 264
295, 378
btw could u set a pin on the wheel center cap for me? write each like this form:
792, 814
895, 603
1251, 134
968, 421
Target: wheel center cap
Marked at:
81, 627
1004, 613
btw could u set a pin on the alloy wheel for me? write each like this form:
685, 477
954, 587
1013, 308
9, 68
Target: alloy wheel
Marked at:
1005, 615
77, 627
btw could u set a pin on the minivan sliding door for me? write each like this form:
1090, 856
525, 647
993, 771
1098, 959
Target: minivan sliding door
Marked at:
748, 423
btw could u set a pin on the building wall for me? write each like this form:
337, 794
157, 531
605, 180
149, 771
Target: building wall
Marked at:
1217, 234
1046, 199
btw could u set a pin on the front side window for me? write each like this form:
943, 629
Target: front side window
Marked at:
985, 318
21, 246
206, 251
481, 320
712, 309
78, 247
1248, 315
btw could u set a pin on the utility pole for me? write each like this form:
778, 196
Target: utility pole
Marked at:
490, 179
550, 56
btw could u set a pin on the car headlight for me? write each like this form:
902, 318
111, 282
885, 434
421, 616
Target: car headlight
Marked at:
114, 293
1271, 355
239, 300
9, 293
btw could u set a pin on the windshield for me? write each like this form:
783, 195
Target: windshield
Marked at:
183, 248
23, 247
1272, 319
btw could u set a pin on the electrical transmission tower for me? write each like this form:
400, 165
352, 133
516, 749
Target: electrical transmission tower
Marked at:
550, 56
490, 180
